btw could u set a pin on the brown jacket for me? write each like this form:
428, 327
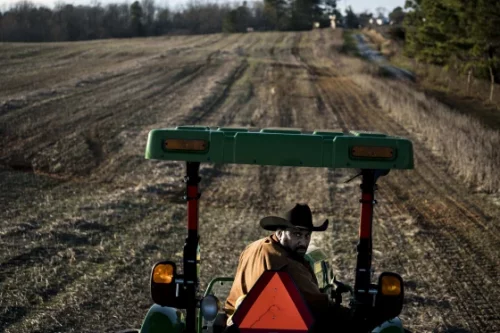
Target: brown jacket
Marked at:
268, 254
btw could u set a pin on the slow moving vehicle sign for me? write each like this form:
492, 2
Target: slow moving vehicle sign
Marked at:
274, 304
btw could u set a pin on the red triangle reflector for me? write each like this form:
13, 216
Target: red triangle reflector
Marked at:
274, 304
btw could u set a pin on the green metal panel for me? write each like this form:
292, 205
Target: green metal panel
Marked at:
315, 254
315, 257
281, 130
281, 147
163, 319
391, 326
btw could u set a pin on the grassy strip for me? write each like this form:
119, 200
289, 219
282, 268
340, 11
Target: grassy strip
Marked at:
386, 46
468, 147
465, 142
433, 77
447, 80
349, 47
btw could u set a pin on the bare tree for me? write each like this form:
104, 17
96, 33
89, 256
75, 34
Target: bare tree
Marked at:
148, 9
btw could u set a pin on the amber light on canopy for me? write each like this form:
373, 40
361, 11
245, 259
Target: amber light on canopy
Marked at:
181, 144
391, 286
163, 273
371, 152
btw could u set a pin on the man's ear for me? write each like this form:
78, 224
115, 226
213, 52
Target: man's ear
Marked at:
279, 234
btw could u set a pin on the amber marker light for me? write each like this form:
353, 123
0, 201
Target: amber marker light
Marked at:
391, 286
372, 152
163, 273
186, 145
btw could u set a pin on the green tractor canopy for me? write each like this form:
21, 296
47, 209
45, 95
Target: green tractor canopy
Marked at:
280, 147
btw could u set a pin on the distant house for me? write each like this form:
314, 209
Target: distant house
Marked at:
383, 21
333, 23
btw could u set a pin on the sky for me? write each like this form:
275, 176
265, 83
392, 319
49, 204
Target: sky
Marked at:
357, 5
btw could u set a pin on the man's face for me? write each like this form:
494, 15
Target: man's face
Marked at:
295, 239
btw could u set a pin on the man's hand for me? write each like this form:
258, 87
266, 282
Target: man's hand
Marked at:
340, 288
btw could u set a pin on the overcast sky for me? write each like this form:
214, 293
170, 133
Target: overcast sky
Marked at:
357, 5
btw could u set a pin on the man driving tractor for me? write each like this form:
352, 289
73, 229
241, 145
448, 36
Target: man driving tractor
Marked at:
285, 250
289, 297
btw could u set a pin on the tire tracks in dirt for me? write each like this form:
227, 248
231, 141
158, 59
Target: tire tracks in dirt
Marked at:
188, 107
187, 78
131, 115
214, 102
131, 76
223, 105
53, 65
280, 116
342, 230
19, 315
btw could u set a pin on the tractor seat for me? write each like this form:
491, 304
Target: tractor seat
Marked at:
219, 324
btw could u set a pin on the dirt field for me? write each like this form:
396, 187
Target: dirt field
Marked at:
84, 216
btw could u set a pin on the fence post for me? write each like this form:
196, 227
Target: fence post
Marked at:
492, 76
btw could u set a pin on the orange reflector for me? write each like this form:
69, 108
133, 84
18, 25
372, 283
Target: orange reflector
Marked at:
391, 285
274, 304
181, 144
163, 273
372, 152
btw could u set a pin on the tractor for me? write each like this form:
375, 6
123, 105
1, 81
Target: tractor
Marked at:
179, 304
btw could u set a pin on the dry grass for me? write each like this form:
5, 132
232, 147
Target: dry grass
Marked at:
432, 77
386, 46
468, 147
442, 79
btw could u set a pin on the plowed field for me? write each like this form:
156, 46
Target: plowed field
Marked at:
83, 216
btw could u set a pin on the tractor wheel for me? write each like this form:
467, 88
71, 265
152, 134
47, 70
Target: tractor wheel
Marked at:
130, 330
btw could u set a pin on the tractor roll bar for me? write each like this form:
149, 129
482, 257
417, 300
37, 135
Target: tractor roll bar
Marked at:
364, 248
192, 180
362, 282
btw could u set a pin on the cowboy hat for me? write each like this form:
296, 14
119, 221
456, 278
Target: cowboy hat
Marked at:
299, 216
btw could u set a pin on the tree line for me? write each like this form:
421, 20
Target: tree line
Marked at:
463, 35
25, 22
